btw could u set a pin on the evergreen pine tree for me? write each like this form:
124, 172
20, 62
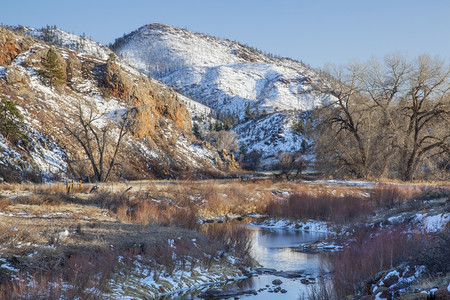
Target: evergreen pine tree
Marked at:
53, 68
298, 127
196, 131
11, 120
218, 126
248, 113
304, 146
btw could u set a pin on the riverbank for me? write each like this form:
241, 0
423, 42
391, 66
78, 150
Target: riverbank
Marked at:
146, 239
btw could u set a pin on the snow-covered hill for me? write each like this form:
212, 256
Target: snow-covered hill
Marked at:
221, 74
229, 77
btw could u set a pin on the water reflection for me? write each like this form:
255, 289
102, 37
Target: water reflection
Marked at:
275, 249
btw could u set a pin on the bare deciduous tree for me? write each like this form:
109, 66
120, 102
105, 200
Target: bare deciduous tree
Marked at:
424, 114
290, 165
386, 119
100, 138
224, 140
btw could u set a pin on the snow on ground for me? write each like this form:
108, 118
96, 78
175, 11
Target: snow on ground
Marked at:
227, 76
69, 40
49, 157
310, 225
270, 135
433, 223
221, 74
154, 283
3, 72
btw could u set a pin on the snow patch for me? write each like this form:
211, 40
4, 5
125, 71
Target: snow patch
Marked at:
310, 225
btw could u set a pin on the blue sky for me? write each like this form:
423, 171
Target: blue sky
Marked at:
316, 32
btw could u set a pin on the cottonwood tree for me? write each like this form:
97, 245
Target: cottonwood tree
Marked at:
423, 124
341, 135
290, 165
223, 140
385, 119
100, 138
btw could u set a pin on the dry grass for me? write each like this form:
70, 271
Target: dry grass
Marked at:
226, 237
81, 227
389, 196
339, 204
4, 203
319, 206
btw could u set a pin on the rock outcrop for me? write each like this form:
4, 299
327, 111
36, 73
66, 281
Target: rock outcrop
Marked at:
161, 143
154, 104
12, 45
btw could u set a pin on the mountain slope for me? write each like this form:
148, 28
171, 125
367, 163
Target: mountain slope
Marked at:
272, 134
161, 143
232, 80
219, 73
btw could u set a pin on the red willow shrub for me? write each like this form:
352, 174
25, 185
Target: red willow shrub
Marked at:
371, 252
322, 206
229, 238
82, 274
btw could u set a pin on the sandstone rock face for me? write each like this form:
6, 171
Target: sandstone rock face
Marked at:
11, 45
153, 103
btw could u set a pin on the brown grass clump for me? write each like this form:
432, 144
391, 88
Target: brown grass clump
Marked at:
389, 196
41, 199
4, 203
143, 210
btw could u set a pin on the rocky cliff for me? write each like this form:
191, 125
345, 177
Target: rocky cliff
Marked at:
160, 144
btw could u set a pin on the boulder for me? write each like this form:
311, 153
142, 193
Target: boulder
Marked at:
13, 75
277, 282
390, 279
305, 281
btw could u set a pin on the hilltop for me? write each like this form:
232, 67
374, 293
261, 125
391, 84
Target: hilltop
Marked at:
230, 78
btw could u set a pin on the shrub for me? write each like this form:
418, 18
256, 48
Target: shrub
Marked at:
78, 275
386, 196
226, 238
434, 251
371, 252
320, 206
4, 203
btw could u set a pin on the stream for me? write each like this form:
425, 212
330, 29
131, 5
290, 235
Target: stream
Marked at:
275, 249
